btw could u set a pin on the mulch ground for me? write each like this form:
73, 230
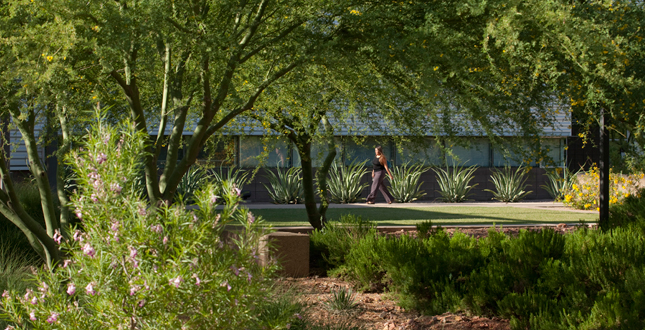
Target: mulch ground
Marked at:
376, 310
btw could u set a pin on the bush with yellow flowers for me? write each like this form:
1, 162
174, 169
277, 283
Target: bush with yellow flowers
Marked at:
584, 192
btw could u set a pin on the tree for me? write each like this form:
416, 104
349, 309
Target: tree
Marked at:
38, 63
197, 66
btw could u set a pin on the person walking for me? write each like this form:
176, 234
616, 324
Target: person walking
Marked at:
378, 175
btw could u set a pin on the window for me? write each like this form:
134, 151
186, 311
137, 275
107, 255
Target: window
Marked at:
555, 151
512, 158
477, 153
252, 148
428, 153
364, 151
318, 153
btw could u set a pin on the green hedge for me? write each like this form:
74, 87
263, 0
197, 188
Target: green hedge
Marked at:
588, 279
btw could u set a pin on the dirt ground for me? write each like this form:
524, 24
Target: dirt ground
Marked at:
376, 311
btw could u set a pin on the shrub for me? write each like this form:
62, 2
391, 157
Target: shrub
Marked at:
631, 213
15, 273
335, 240
509, 186
404, 185
190, 183
558, 185
236, 176
135, 266
454, 183
584, 192
286, 187
344, 182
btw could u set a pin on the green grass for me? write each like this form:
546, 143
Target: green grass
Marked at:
444, 215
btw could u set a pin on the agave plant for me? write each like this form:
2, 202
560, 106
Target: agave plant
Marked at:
237, 176
509, 186
286, 186
454, 183
404, 185
557, 185
190, 183
345, 182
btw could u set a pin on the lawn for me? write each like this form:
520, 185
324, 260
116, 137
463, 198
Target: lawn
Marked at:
445, 215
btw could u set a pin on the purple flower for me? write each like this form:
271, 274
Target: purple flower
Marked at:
78, 236
52, 318
249, 276
142, 211
235, 270
32, 316
176, 281
225, 284
89, 289
57, 236
66, 263
134, 289
5, 294
115, 187
165, 240
237, 191
198, 282
142, 303
34, 300
157, 229
101, 158
133, 252
89, 250
250, 217
116, 237
71, 289
79, 215
214, 199
94, 198
43, 287
114, 226
298, 316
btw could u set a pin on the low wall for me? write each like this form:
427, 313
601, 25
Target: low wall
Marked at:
536, 178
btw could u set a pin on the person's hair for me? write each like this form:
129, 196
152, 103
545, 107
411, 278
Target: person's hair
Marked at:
380, 150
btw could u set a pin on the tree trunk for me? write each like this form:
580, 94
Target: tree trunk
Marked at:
64, 148
321, 176
40, 176
304, 150
604, 172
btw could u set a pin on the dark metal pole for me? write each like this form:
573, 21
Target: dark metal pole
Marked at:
604, 172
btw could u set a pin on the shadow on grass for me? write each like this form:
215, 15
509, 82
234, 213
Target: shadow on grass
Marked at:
403, 216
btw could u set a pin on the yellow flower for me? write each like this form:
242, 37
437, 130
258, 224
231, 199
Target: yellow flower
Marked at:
50, 58
575, 187
568, 198
587, 206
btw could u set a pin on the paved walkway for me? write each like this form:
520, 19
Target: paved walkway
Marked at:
546, 205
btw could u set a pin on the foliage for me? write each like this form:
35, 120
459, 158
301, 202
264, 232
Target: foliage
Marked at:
405, 185
236, 176
629, 213
584, 192
509, 186
345, 182
454, 182
15, 270
137, 266
557, 184
190, 183
285, 187
342, 300
529, 278
332, 243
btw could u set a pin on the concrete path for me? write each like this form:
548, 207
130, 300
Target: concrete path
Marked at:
545, 205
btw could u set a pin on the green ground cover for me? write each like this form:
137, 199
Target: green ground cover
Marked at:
444, 215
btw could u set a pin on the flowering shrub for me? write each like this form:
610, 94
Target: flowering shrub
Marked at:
584, 192
133, 266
